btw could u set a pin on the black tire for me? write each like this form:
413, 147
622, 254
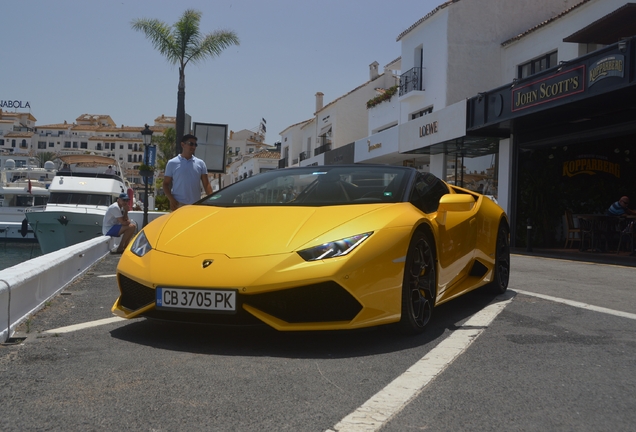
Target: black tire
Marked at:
419, 288
501, 277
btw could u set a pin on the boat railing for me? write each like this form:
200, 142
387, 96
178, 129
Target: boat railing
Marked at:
34, 208
24, 182
67, 173
85, 208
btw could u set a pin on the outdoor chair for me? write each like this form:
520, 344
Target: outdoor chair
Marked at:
627, 236
572, 232
586, 228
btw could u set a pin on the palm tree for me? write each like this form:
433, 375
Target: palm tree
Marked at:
44, 157
165, 145
182, 43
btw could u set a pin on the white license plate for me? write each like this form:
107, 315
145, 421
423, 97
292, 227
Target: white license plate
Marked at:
201, 299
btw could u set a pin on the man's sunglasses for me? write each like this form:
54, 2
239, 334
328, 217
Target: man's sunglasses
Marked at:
190, 143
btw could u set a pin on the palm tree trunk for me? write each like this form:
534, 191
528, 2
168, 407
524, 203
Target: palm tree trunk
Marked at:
180, 126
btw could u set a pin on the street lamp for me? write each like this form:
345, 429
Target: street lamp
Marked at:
146, 135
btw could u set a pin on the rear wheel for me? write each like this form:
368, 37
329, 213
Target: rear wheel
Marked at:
420, 284
499, 284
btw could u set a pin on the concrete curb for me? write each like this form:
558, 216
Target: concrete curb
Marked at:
26, 287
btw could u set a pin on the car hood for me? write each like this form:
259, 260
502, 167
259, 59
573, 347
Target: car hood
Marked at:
250, 231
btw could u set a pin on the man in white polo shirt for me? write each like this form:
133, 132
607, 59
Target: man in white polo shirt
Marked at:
184, 175
117, 224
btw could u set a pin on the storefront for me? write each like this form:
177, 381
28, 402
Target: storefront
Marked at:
572, 130
436, 142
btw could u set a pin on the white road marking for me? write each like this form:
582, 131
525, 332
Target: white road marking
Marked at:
389, 401
579, 304
107, 276
82, 326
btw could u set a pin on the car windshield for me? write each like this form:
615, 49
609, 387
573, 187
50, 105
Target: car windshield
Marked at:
316, 186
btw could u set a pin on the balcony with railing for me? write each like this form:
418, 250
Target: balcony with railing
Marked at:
322, 149
303, 156
324, 144
411, 80
284, 162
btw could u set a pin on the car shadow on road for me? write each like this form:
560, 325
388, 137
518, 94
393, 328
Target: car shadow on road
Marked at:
264, 341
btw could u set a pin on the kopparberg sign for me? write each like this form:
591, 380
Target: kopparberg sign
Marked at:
14, 104
591, 165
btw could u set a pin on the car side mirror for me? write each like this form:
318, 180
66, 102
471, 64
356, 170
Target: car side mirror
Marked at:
453, 203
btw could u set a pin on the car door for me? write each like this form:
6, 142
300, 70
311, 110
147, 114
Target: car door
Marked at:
456, 237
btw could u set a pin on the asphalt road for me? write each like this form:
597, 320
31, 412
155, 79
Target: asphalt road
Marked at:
542, 364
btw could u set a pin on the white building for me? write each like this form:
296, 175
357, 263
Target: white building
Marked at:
244, 142
335, 126
241, 147
562, 114
256, 163
469, 108
292, 144
446, 57
95, 133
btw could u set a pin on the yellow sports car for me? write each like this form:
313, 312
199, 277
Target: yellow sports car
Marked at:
317, 248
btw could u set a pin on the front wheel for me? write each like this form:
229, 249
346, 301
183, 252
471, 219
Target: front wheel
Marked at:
501, 277
419, 287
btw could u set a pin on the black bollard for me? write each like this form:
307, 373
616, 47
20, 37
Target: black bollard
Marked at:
529, 236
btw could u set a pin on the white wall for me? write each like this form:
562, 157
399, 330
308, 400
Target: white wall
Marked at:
255, 165
383, 115
432, 36
351, 122
287, 141
376, 147
550, 37
308, 130
450, 123
348, 114
437, 166
504, 190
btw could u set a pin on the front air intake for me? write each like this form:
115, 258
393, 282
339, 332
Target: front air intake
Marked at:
133, 294
323, 302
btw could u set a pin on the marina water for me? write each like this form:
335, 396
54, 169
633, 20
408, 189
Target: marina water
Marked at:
13, 253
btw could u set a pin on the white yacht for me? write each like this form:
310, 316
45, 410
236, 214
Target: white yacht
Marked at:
81, 192
23, 185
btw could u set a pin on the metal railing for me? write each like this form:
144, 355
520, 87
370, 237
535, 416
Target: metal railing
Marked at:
411, 80
322, 149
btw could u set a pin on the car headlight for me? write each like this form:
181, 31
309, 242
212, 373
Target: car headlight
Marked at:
333, 249
141, 246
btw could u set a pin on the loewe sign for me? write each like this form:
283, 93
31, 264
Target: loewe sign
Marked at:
428, 129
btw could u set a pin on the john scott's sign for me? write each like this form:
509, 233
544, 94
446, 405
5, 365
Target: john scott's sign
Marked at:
548, 89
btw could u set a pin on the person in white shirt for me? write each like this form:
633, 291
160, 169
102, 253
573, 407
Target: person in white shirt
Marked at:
184, 175
117, 224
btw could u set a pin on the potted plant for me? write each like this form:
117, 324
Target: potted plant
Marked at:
146, 170
386, 95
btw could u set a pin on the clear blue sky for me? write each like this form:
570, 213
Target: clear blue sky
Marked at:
73, 57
